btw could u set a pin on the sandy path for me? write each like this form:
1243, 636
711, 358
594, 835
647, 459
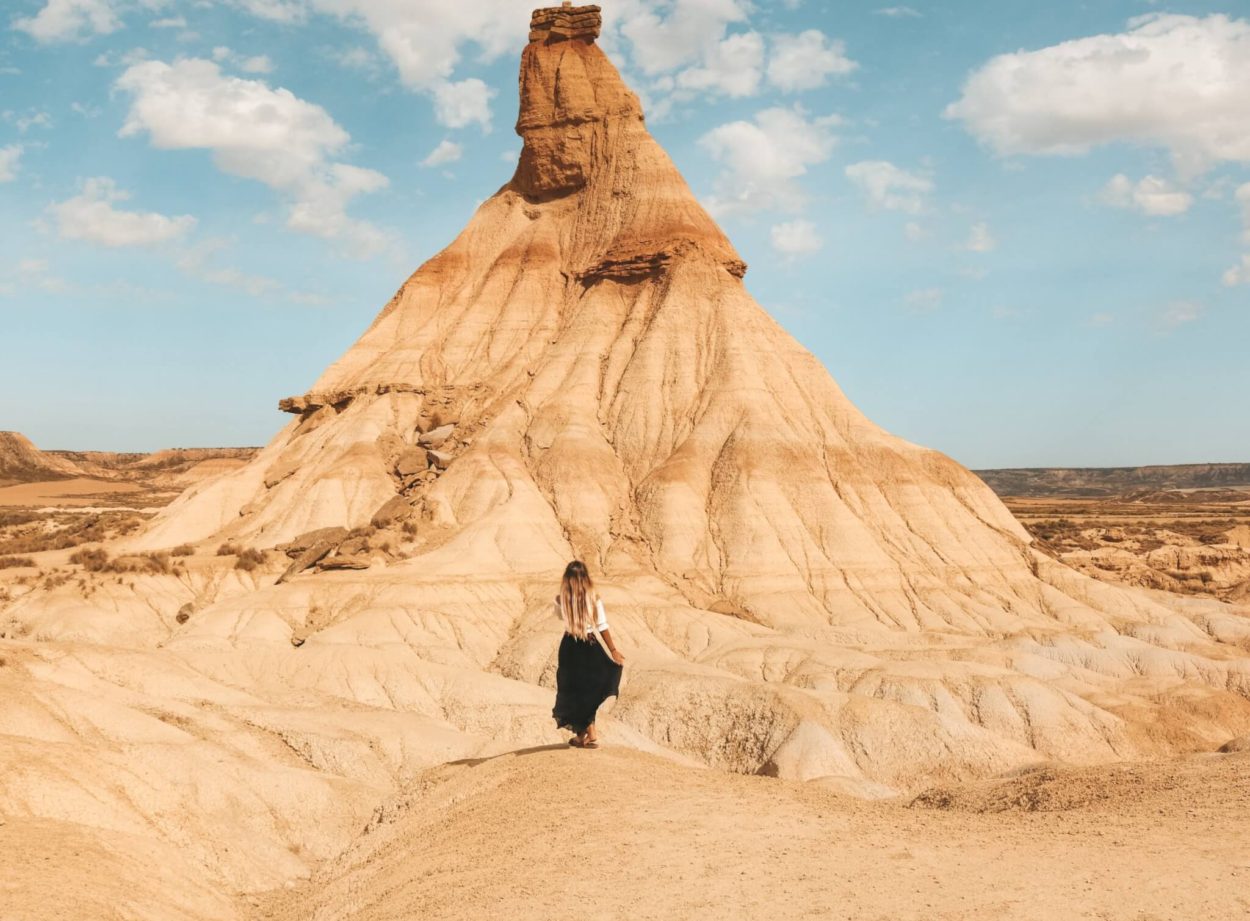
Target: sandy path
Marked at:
78, 491
617, 834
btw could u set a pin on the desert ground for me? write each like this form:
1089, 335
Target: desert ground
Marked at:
315, 679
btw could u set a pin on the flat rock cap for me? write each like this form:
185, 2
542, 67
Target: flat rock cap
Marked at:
563, 23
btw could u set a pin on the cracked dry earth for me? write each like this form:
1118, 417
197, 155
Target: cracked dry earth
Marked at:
823, 622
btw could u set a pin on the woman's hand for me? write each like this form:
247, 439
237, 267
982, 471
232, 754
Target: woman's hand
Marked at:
618, 657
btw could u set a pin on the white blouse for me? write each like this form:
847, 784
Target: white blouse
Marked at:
601, 619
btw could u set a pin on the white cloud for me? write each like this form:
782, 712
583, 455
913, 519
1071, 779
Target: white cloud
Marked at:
196, 261
69, 20
671, 34
259, 64
1170, 81
91, 216
1238, 274
274, 10
806, 61
889, 187
1100, 320
35, 273
423, 40
463, 103
898, 12
980, 240
169, 22
32, 119
1151, 195
260, 133
914, 232
764, 158
445, 152
1179, 313
796, 238
731, 67
10, 158
355, 59
924, 300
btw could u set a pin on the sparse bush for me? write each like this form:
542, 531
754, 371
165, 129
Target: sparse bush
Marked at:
228, 549
151, 563
183, 550
250, 559
410, 527
14, 562
95, 560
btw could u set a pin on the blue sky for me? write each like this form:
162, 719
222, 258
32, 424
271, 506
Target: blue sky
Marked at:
1015, 232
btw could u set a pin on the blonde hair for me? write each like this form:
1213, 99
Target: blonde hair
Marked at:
577, 599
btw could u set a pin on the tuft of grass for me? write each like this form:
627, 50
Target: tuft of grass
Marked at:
249, 559
183, 550
228, 549
14, 562
95, 560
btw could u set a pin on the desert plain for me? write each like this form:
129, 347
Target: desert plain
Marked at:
314, 679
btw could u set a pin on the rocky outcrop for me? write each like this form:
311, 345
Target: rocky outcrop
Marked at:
22, 462
565, 23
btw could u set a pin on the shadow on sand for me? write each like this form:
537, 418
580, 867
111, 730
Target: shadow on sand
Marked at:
474, 762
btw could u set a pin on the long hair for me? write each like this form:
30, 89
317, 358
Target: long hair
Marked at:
577, 599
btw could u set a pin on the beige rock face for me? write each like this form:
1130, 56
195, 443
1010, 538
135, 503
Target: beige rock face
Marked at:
801, 594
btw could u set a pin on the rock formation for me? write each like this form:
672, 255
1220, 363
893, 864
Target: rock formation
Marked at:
22, 462
582, 372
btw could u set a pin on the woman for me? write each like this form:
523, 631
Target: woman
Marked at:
589, 670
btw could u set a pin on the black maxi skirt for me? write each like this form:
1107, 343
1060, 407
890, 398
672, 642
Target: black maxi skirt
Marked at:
585, 677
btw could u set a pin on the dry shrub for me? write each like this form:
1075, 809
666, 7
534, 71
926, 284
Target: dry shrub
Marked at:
144, 563
95, 560
183, 550
249, 559
14, 562
228, 549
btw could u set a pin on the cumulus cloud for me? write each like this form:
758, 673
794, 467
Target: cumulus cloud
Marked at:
796, 238
764, 158
10, 158
1238, 274
463, 103
898, 12
806, 61
731, 67
92, 216
889, 187
445, 152
423, 40
672, 34
258, 64
1150, 195
70, 20
260, 133
1170, 81
980, 240
1242, 197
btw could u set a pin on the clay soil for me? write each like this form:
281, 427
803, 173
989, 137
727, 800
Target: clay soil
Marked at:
553, 833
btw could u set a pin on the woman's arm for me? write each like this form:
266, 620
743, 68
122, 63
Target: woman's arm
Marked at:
617, 656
